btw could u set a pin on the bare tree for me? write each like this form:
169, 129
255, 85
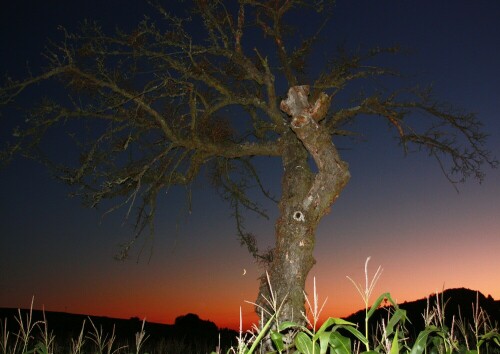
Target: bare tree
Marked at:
153, 101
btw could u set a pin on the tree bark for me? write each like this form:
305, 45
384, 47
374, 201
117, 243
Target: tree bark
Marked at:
306, 198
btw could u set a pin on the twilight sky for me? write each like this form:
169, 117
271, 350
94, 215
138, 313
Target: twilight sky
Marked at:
399, 210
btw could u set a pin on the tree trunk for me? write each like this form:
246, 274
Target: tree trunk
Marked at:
306, 198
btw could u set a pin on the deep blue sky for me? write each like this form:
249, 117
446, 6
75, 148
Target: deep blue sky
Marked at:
401, 211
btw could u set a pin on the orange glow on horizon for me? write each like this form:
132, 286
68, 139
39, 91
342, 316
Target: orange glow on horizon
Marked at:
225, 313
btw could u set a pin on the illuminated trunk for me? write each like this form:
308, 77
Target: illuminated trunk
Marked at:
306, 198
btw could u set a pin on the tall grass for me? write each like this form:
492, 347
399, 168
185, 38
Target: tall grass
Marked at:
335, 335
34, 337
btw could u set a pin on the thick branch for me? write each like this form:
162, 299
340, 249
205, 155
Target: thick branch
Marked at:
333, 173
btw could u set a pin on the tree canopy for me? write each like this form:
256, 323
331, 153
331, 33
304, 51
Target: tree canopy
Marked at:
210, 90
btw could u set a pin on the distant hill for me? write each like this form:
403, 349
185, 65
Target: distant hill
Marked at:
454, 299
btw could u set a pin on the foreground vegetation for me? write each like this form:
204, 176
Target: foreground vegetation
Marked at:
389, 335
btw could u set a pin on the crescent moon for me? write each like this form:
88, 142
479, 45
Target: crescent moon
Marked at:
244, 271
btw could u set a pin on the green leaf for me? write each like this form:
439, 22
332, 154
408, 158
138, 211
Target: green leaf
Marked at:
395, 344
329, 322
324, 341
360, 336
398, 316
490, 336
421, 341
303, 342
288, 324
305, 345
379, 300
340, 344
277, 339
497, 340
261, 335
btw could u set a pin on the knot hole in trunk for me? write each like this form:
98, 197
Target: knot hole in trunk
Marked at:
299, 216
